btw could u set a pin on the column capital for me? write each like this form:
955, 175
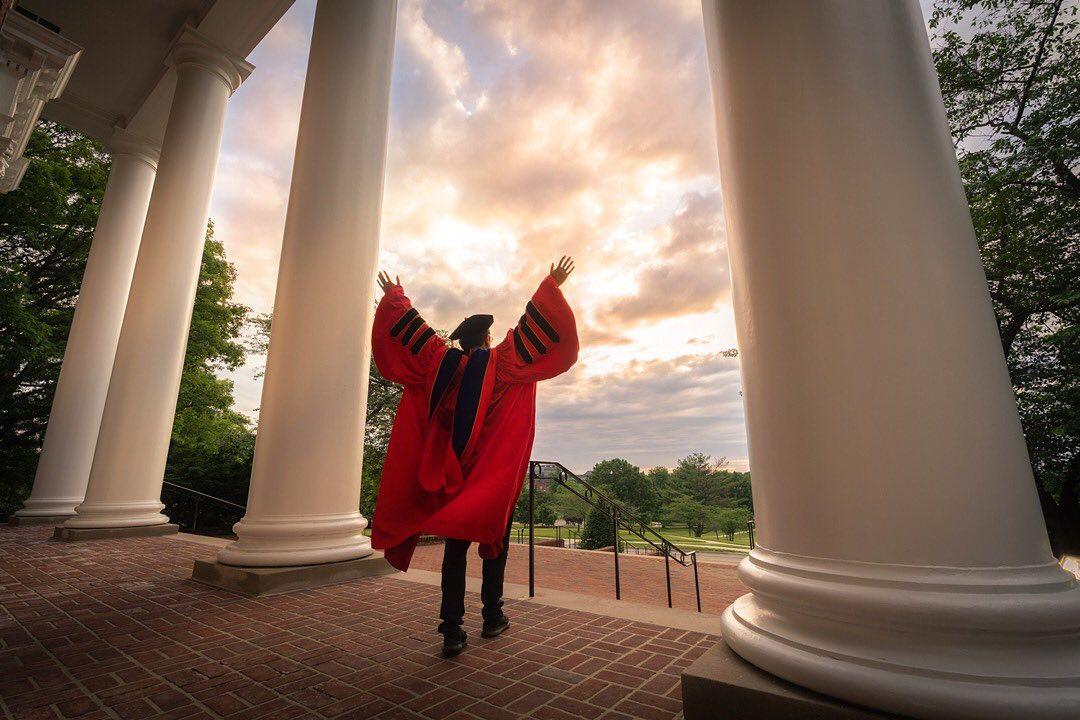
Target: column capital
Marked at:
194, 48
125, 142
35, 65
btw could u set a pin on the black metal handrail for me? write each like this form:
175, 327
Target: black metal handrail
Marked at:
199, 497
620, 518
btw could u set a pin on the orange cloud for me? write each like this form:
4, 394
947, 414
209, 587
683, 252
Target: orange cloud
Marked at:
521, 132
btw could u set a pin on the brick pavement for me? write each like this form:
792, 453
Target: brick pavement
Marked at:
115, 629
593, 573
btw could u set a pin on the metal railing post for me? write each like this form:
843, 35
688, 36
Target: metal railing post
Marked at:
615, 547
199, 497
697, 585
532, 546
598, 501
667, 572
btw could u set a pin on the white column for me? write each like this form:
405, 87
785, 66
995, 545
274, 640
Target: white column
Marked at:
64, 465
903, 562
129, 461
305, 484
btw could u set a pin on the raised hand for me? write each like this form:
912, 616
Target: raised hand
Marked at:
386, 283
563, 270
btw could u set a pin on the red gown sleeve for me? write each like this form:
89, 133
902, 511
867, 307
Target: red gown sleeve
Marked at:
544, 343
405, 347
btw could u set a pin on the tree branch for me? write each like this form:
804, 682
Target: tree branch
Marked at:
1036, 64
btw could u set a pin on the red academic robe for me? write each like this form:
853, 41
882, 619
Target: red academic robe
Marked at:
463, 433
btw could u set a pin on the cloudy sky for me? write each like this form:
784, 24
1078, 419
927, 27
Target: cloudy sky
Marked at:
520, 132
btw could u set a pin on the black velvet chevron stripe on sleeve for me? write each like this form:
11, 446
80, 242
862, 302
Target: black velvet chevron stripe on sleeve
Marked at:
541, 321
421, 340
405, 320
411, 330
522, 351
527, 331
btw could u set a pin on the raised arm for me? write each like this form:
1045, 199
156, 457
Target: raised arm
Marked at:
544, 343
405, 347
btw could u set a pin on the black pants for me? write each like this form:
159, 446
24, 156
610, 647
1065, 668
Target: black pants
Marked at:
452, 609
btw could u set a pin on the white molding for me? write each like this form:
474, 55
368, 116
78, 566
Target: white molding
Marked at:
928, 642
193, 47
297, 540
37, 64
125, 142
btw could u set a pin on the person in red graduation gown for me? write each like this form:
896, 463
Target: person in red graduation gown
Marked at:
463, 433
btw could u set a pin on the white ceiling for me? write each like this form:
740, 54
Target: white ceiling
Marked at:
121, 78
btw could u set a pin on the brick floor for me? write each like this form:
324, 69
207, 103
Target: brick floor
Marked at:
593, 573
115, 629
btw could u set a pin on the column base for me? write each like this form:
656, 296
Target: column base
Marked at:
722, 679
18, 519
57, 507
294, 541
68, 533
262, 581
926, 642
103, 515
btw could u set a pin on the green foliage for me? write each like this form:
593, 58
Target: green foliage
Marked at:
544, 514
521, 506
383, 399
736, 490
46, 227
628, 484
1012, 96
730, 521
543, 509
696, 475
599, 531
45, 231
660, 477
569, 506
685, 510
212, 445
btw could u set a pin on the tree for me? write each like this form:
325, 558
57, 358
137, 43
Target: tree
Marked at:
569, 506
46, 227
735, 486
730, 521
521, 507
599, 531
383, 399
543, 511
685, 510
660, 477
697, 475
45, 231
212, 445
625, 481
1012, 96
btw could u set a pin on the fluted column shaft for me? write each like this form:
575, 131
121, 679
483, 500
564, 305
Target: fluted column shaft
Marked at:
129, 461
303, 505
68, 450
903, 562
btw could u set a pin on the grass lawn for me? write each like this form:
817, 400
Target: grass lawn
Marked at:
679, 535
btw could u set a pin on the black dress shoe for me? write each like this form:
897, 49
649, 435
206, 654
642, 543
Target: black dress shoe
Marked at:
454, 643
495, 629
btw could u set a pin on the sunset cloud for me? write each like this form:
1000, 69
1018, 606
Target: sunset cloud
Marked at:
665, 408
521, 132
690, 273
